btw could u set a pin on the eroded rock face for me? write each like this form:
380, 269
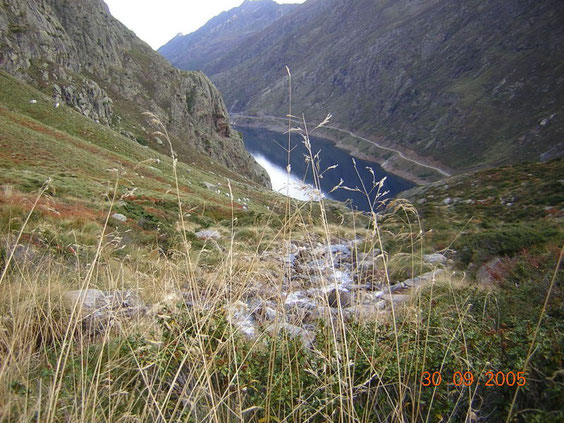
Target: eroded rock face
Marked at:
78, 53
89, 99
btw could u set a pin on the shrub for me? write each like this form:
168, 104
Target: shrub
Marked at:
506, 240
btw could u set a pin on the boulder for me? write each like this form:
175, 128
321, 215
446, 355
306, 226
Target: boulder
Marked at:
239, 315
299, 307
21, 254
89, 298
335, 296
99, 310
396, 299
421, 279
264, 312
119, 217
94, 300
488, 271
435, 259
365, 312
368, 297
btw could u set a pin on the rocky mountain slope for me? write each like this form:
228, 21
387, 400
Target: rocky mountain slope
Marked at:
466, 84
222, 34
79, 54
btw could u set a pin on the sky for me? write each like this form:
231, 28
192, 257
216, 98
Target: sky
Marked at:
158, 21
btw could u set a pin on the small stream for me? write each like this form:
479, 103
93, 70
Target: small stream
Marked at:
269, 149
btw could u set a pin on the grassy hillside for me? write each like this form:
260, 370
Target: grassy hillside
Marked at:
182, 328
81, 56
521, 205
83, 161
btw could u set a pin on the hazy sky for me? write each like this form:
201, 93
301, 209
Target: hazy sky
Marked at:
157, 21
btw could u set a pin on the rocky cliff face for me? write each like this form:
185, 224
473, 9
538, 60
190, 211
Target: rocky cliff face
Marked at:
222, 34
466, 83
80, 54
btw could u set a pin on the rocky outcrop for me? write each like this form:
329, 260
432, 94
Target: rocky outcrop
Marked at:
77, 52
322, 283
89, 99
98, 311
325, 283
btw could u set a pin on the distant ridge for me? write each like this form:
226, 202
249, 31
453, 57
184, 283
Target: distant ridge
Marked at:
223, 33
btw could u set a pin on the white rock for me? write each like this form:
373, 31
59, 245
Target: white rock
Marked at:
208, 234
369, 297
100, 309
239, 316
418, 280
119, 217
89, 298
305, 336
365, 312
435, 258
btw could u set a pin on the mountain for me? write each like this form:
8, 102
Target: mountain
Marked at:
465, 84
222, 34
138, 288
76, 52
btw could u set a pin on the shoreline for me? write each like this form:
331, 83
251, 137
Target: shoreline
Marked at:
414, 169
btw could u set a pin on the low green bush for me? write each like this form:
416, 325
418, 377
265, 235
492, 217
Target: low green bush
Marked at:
505, 240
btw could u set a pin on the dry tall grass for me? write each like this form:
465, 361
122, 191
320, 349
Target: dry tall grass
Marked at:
185, 359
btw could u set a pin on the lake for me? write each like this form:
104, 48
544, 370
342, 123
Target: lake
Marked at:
269, 149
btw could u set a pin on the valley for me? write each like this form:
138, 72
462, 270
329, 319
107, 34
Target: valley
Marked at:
482, 88
151, 269
412, 168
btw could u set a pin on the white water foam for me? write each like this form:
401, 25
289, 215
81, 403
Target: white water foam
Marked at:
288, 185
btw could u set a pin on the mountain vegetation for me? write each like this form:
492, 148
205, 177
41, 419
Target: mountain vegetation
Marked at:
149, 282
465, 84
78, 54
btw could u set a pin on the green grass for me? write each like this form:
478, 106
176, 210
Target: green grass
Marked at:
82, 160
495, 212
185, 362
